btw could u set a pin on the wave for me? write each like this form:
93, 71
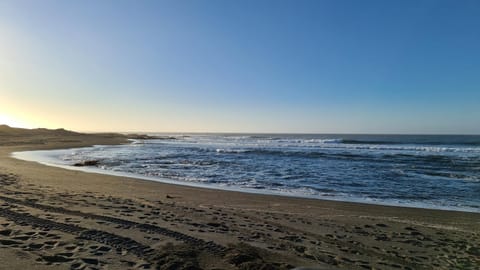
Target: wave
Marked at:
431, 143
349, 148
365, 141
347, 141
413, 148
321, 141
340, 140
232, 151
296, 154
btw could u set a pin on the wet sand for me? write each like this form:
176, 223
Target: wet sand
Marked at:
52, 218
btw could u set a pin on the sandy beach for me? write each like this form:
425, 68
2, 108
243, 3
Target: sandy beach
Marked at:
52, 218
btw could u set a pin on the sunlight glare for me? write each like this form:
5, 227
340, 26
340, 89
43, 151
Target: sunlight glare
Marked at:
12, 122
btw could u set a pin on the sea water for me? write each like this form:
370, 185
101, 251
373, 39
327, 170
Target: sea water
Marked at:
439, 172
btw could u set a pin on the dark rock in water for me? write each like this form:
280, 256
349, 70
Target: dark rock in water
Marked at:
87, 163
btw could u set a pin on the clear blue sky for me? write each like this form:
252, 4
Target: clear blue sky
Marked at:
242, 66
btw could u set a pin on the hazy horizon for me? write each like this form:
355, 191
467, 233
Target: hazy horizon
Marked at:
291, 67
245, 133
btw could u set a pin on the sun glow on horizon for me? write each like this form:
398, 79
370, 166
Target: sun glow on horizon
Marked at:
12, 122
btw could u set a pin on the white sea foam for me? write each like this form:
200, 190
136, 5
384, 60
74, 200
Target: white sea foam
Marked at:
235, 151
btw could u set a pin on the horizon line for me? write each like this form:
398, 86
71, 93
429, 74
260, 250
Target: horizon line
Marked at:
254, 133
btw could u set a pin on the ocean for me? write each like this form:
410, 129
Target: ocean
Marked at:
427, 171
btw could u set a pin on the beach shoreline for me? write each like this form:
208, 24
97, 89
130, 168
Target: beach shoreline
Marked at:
248, 230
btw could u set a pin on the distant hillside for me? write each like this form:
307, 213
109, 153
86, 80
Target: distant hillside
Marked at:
10, 131
46, 138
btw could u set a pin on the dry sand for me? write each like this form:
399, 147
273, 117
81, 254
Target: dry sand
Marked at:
51, 218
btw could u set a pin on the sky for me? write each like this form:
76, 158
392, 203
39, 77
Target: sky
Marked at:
287, 66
